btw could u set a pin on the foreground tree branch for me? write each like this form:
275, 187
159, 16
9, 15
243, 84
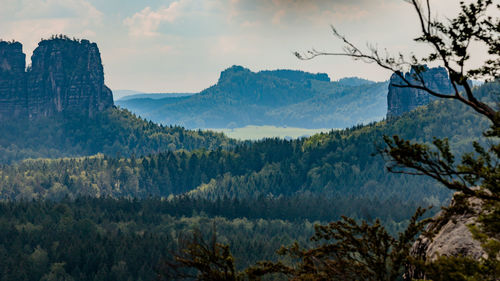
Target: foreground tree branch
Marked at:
450, 42
348, 251
451, 47
351, 250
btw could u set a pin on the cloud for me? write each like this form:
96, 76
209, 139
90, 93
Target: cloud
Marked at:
147, 21
345, 13
278, 16
29, 20
286, 12
199, 37
58, 9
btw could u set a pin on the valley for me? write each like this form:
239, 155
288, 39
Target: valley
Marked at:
282, 174
260, 132
269, 98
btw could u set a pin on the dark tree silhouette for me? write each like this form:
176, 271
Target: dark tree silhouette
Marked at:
451, 42
200, 260
348, 250
478, 173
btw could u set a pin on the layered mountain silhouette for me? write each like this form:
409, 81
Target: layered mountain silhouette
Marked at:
280, 98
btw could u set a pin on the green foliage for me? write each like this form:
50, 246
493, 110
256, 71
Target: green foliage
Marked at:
112, 132
459, 268
126, 239
279, 98
211, 261
338, 165
57, 273
270, 182
477, 176
348, 251
341, 162
107, 239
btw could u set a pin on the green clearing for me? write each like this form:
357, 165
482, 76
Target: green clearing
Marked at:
260, 132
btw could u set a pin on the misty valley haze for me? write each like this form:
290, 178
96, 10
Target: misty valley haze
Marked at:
281, 98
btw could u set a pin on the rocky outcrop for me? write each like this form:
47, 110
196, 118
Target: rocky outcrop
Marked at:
267, 88
451, 238
13, 100
401, 100
66, 76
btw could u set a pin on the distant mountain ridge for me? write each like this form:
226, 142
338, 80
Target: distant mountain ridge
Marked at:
278, 97
118, 94
353, 81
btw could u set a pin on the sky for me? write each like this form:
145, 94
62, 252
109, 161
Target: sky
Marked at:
183, 45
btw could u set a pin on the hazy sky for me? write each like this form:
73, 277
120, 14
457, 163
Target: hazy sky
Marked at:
182, 45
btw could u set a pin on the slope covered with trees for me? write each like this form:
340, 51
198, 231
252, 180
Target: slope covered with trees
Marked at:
133, 238
339, 164
259, 187
112, 132
261, 195
279, 98
99, 239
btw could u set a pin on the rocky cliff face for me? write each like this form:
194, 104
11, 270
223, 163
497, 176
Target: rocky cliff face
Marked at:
401, 100
66, 76
452, 237
12, 80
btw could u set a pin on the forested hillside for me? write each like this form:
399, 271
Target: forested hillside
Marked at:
112, 132
259, 196
279, 98
90, 239
339, 164
129, 211
373, 181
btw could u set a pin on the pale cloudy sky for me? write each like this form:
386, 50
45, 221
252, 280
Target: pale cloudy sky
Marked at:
182, 45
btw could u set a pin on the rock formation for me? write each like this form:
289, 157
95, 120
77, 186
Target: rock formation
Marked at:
452, 236
401, 100
13, 100
66, 76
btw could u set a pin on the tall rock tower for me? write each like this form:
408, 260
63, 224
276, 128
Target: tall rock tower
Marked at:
13, 100
401, 100
66, 76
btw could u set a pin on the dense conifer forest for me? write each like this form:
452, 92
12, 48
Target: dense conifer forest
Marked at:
339, 164
89, 191
108, 239
129, 211
113, 132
